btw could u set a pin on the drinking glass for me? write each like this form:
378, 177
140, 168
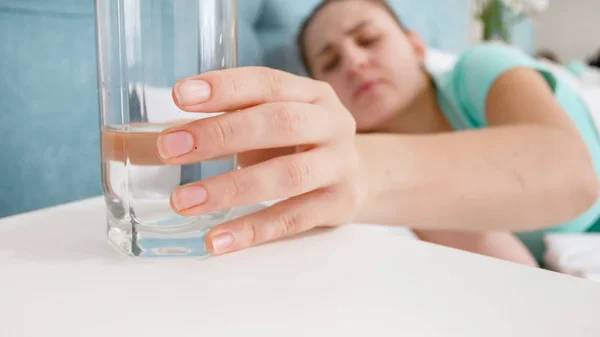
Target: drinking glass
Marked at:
144, 47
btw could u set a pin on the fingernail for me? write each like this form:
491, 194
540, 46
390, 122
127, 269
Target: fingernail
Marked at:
221, 242
175, 144
188, 197
192, 92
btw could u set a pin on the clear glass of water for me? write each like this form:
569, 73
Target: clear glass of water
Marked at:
144, 48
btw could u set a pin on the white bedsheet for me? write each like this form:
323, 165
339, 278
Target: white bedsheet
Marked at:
574, 254
591, 97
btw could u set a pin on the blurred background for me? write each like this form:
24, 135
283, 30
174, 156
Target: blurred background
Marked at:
566, 29
49, 117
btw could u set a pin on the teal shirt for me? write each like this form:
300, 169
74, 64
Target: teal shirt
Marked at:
462, 93
577, 68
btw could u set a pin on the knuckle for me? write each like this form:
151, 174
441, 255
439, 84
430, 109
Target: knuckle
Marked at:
325, 86
326, 91
346, 127
350, 125
297, 173
288, 224
233, 87
331, 100
252, 232
274, 82
346, 201
286, 120
236, 188
221, 132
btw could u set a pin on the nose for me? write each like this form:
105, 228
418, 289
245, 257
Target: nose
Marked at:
356, 60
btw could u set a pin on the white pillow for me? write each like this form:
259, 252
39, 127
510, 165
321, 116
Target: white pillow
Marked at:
437, 60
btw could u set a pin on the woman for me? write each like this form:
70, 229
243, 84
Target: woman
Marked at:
465, 158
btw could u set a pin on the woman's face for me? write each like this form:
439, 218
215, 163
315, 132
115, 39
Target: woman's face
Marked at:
371, 63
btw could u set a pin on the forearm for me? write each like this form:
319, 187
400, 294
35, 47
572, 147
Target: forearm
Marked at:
508, 178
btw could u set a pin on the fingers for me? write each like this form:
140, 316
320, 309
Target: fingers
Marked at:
239, 88
277, 178
273, 125
250, 158
281, 220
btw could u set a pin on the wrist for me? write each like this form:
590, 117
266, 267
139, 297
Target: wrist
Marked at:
368, 179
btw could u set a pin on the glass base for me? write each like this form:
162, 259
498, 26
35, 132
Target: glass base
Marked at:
142, 240
164, 240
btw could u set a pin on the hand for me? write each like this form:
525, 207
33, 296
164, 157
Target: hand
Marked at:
266, 109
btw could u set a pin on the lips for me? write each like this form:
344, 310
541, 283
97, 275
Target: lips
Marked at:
364, 88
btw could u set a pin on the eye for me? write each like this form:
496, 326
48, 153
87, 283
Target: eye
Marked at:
367, 41
331, 64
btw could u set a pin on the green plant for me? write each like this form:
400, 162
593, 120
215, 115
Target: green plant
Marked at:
498, 17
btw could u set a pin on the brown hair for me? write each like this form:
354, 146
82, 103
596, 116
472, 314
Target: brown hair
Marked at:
300, 38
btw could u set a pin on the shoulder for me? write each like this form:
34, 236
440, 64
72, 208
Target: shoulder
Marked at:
483, 64
479, 68
495, 52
